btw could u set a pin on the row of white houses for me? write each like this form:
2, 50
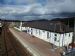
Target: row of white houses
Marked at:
57, 39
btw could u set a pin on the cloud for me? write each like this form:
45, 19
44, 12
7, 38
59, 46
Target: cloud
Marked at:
17, 2
33, 9
58, 6
22, 9
28, 11
51, 6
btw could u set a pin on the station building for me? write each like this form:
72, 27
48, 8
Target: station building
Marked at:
56, 32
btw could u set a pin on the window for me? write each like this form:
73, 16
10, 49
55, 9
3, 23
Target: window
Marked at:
48, 35
28, 30
55, 39
69, 34
55, 34
43, 31
36, 31
65, 34
39, 32
31, 31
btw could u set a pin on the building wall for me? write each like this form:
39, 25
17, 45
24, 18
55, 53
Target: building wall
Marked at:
37, 33
54, 38
68, 38
44, 35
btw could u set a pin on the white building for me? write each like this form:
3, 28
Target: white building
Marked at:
49, 31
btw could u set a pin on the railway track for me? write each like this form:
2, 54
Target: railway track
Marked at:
6, 48
9, 46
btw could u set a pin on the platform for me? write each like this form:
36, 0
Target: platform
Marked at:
34, 45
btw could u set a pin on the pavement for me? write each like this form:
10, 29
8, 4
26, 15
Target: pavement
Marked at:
36, 46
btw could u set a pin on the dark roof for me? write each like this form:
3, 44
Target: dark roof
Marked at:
53, 26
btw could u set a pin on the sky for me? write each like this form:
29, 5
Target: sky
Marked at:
36, 9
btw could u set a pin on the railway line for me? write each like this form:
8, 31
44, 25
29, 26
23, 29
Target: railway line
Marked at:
9, 46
